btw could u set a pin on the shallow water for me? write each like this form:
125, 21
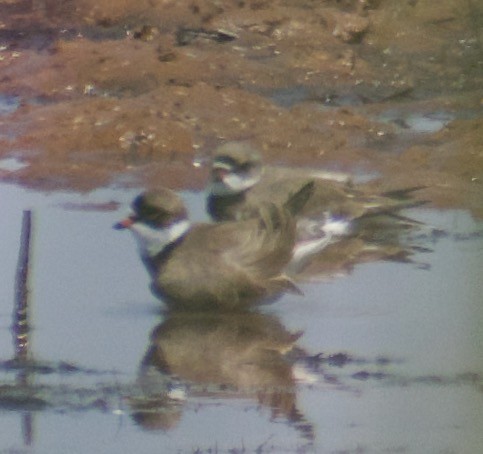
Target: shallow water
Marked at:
405, 340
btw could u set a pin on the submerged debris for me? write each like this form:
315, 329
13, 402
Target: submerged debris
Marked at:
185, 36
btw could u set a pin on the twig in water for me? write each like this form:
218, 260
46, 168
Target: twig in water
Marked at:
20, 328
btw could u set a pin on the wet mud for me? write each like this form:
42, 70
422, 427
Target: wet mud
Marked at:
129, 93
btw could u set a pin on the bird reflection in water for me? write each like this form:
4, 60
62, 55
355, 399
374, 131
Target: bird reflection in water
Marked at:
218, 356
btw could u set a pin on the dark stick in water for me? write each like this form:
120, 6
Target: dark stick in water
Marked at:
20, 316
20, 328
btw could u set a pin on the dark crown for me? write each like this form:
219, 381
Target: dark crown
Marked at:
159, 208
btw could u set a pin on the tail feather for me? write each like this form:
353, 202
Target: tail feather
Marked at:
402, 193
392, 209
405, 219
297, 200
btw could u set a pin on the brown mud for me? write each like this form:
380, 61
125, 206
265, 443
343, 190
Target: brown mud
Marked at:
128, 93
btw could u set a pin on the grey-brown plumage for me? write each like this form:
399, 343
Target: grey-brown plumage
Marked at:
225, 266
240, 183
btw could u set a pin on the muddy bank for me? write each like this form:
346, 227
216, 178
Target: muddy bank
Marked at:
128, 93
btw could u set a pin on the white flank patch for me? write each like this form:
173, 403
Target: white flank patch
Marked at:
337, 227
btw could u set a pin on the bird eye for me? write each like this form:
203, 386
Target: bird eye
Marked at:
246, 167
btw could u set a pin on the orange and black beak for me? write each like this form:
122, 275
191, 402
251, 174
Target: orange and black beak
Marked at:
219, 173
124, 223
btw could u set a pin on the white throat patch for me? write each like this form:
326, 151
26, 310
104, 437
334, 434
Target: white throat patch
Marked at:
233, 184
152, 241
